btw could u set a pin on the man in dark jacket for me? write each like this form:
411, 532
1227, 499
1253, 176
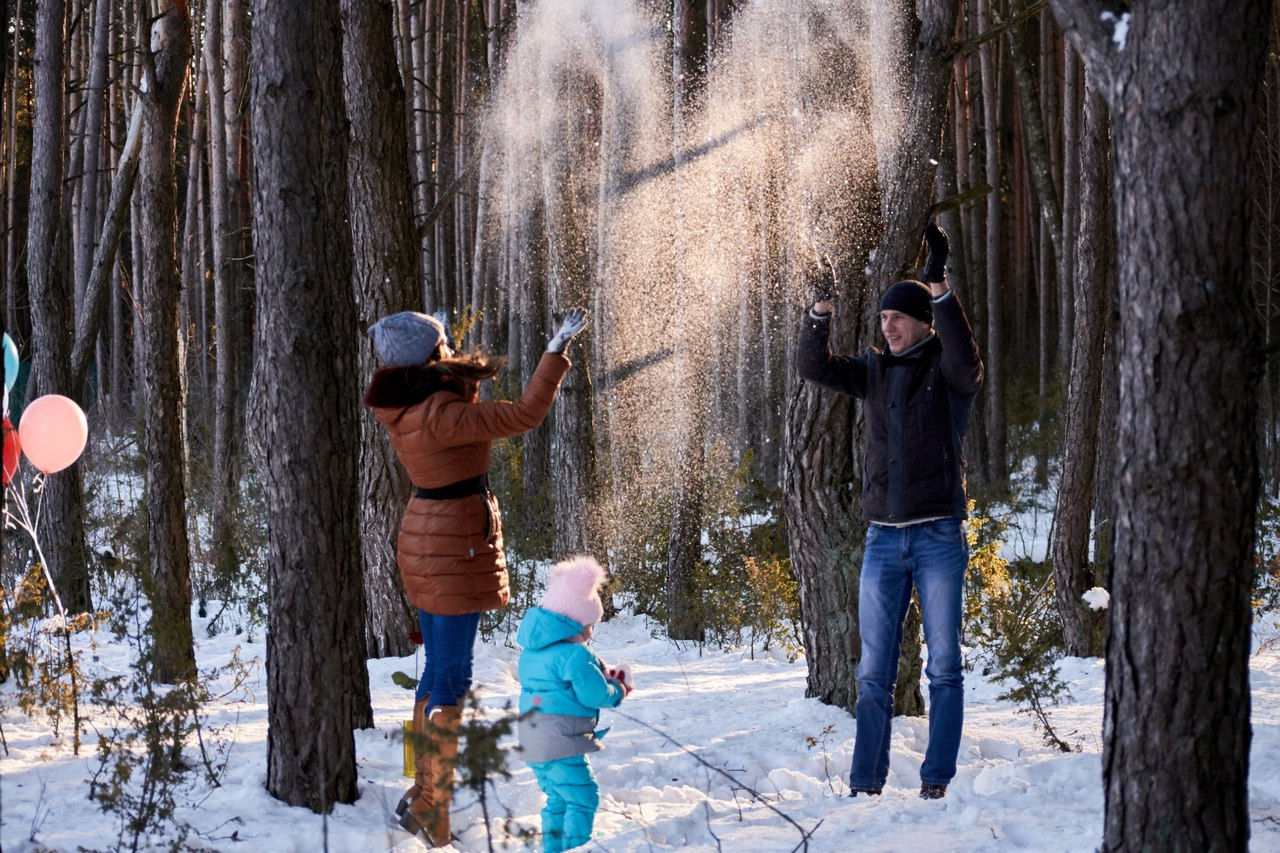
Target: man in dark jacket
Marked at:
918, 397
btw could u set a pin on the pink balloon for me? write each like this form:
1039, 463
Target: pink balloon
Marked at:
53, 432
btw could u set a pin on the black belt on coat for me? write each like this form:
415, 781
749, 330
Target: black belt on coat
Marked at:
478, 485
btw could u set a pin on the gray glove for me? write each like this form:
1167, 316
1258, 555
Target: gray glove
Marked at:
575, 321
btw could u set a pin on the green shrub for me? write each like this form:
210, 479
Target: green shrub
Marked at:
1011, 615
1266, 560
748, 593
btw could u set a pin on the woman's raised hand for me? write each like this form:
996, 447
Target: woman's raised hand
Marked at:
575, 321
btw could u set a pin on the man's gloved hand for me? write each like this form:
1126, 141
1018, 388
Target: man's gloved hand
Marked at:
935, 266
822, 282
575, 321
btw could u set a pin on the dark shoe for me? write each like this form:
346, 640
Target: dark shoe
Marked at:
853, 792
932, 792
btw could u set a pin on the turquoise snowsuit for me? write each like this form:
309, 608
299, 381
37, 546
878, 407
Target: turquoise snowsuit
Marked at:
562, 689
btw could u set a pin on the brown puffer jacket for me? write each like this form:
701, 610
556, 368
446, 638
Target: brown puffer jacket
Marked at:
450, 551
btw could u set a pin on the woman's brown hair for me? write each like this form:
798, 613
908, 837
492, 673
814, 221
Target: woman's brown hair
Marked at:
471, 368
402, 387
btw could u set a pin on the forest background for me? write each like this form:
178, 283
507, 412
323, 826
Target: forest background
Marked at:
207, 204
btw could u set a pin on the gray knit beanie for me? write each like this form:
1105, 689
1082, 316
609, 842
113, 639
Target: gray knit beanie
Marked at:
913, 298
407, 338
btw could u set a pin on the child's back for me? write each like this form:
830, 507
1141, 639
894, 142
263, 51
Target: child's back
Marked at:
563, 686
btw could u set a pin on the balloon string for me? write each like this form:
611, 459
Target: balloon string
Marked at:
22, 520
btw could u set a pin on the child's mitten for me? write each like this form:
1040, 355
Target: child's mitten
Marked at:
622, 674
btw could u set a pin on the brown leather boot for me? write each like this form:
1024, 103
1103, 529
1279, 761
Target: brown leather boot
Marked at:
444, 723
421, 755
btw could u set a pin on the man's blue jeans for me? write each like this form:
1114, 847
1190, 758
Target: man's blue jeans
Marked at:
932, 556
448, 643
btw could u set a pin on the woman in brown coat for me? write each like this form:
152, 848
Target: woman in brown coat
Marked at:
450, 545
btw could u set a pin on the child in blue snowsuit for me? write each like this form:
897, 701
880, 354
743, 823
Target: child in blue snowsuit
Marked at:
563, 687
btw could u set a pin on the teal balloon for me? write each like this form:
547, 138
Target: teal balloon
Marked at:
10, 362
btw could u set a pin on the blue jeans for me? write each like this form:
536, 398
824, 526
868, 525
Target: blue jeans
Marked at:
448, 643
932, 556
573, 796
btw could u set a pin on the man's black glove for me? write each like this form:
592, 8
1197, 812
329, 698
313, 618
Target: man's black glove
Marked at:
822, 282
935, 266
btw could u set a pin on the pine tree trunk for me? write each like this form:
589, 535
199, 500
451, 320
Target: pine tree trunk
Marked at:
993, 355
1071, 212
1265, 251
384, 280
121, 373
1183, 101
19, 331
168, 554
529, 341
570, 172
444, 106
52, 309
1082, 627
195, 315
102, 271
94, 111
223, 537
305, 416
969, 175
825, 535
424, 80
238, 291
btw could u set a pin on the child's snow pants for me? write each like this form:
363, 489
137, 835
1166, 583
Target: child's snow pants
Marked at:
572, 799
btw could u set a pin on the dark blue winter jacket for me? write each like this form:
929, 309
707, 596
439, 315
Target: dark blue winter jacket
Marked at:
917, 408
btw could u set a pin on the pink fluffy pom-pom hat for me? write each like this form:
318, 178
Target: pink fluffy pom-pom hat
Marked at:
573, 590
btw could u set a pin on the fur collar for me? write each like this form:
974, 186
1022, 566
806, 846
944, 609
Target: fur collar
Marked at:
401, 387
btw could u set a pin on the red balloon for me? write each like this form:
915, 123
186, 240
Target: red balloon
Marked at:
11, 450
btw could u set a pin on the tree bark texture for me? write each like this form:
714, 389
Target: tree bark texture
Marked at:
52, 303
1037, 142
825, 534
168, 565
95, 109
224, 552
309, 427
17, 323
1183, 106
98, 288
528, 280
570, 172
996, 433
1072, 75
1082, 627
384, 280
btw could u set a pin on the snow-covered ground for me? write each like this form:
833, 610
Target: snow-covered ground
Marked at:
745, 717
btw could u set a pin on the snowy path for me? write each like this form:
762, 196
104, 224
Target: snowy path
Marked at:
745, 717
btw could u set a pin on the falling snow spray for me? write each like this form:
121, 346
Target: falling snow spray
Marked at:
688, 243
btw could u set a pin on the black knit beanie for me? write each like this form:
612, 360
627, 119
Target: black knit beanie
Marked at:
913, 298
